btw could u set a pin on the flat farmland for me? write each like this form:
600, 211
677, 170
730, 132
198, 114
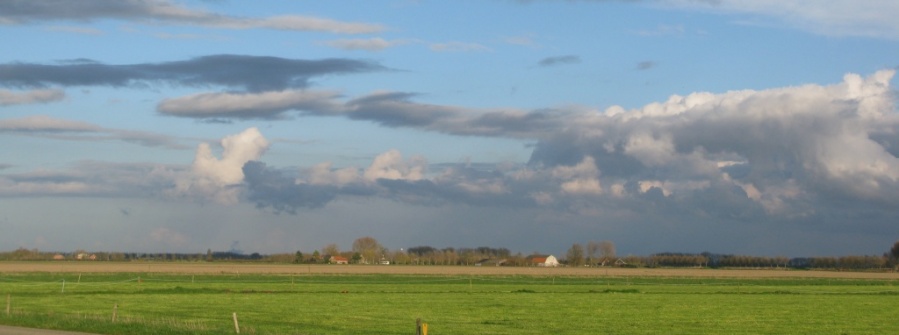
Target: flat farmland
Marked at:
203, 298
298, 269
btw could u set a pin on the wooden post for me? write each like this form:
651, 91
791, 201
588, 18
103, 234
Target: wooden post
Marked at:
63, 290
418, 326
7, 304
236, 327
115, 310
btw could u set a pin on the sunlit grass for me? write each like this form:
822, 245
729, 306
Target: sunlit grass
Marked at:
390, 304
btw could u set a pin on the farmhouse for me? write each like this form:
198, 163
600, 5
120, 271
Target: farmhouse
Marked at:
546, 261
338, 260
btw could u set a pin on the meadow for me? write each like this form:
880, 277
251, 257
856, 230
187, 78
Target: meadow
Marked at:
388, 300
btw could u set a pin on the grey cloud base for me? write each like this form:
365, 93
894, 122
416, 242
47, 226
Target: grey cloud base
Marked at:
252, 73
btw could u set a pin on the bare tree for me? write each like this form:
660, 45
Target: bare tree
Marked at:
894, 251
331, 250
369, 248
592, 251
607, 251
575, 255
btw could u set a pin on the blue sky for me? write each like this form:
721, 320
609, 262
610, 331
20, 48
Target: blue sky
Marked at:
764, 127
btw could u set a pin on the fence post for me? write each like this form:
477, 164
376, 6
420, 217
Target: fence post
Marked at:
418, 326
236, 327
7, 304
115, 310
63, 290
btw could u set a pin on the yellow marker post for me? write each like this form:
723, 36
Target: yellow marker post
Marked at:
424, 329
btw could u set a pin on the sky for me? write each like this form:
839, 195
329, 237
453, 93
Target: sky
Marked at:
745, 127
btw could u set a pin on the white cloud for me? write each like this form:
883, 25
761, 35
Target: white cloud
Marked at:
70, 130
8, 98
323, 174
75, 30
43, 123
458, 47
306, 23
582, 178
390, 165
370, 44
870, 18
218, 179
163, 11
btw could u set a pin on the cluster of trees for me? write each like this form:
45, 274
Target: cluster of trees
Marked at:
367, 250
596, 253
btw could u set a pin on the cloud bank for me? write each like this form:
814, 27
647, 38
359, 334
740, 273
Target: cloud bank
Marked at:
788, 153
803, 153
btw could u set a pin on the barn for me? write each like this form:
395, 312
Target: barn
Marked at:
544, 261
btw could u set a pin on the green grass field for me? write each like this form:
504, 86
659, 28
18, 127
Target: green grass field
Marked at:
390, 304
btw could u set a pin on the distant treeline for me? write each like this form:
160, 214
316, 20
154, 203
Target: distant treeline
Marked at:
670, 259
481, 256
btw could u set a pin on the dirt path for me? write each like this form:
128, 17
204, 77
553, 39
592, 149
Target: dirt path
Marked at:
297, 269
10, 330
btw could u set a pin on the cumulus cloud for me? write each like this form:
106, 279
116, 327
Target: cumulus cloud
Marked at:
816, 138
8, 98
582, 178
390, 165
166, 12
784, 152
253, 73
219, 178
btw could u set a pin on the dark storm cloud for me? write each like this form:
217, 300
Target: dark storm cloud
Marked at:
253, 73
271, 188
559, 60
